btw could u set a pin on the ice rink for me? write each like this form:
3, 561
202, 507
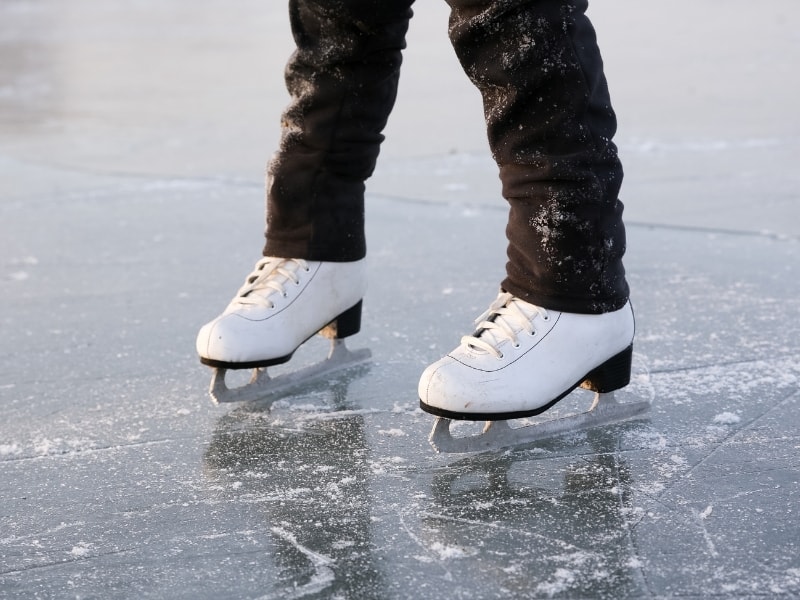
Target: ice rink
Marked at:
133, 139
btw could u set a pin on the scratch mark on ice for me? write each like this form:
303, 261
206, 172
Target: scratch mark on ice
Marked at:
323, 576
701, 517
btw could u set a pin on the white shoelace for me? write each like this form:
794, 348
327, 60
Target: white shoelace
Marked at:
505, 319
270, 276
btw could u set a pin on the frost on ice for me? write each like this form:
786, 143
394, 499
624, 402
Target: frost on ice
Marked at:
727, 418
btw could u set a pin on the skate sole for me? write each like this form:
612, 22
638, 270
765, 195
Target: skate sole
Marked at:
611, 375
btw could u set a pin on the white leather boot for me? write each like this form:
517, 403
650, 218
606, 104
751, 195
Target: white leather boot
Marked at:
523, 359
282, 303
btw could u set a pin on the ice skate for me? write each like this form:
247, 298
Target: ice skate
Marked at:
520, 362
282, 304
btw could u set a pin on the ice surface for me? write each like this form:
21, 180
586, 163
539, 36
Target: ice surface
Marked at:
132, 143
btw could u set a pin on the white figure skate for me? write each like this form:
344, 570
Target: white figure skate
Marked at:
519, 363
282, 304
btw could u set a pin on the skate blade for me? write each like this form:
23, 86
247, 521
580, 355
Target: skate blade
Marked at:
262, 387
605, 410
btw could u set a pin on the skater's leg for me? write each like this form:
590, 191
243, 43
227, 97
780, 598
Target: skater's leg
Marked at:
550, 125
562, 318
343, 82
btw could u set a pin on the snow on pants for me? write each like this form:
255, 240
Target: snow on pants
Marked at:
550, 127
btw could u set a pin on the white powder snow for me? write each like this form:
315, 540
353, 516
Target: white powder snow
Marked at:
9, 449
727, 418
50, 447
445, 552
634, 563
392, 432
80, 550
560, 582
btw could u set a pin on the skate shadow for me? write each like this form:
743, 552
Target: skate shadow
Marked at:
302, 483
555, 516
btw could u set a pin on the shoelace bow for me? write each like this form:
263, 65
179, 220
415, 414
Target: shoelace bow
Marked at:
269, 277
504, 320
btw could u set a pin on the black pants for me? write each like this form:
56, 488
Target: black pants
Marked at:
549, 120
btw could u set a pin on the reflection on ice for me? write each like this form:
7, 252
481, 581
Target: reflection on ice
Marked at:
308, 486
573, 532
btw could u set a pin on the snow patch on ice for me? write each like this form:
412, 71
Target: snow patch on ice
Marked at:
81, 550
590, 563
392, 432
727, 418
634, 563
423, 558
678, 460
653, 488
561, 581
646, 439
386, 465
9, 449
717, 381
445, 552
51, 447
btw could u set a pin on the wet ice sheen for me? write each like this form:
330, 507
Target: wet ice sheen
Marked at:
126, 222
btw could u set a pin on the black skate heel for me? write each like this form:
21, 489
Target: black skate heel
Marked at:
612, 375
346, 324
